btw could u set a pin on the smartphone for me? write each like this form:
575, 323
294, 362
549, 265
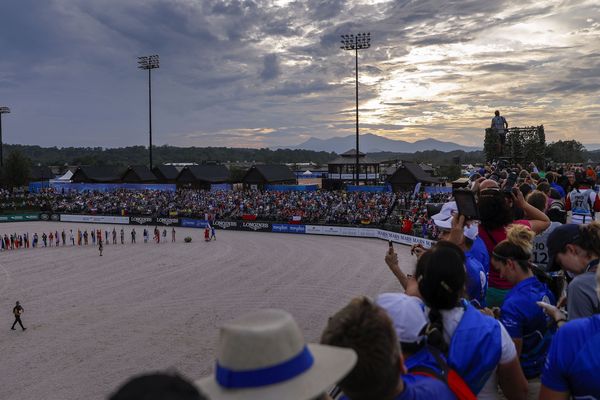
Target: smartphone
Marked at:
510, 182
466, 204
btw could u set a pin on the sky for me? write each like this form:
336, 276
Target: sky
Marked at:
254, 73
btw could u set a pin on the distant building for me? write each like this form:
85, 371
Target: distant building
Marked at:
341, 171
258, 176
40, 174
165, 173
203, 176
138, 174
407, 175
96, 174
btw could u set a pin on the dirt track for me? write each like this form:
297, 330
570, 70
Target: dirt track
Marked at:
95, 321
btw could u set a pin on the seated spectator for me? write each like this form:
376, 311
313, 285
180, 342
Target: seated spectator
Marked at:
525, 322
380, 373
576, 248
478, 347
571, 370
157, 386
262, 355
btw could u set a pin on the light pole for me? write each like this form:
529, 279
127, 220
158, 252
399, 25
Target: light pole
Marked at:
358, 42
3, 110
149, 63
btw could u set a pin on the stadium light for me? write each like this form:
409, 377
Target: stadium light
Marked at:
149, 63
356, 42
3, 110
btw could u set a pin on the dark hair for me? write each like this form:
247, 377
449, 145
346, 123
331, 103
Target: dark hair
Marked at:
157, 386
441, 275
590, 238
367, 329
538, 199
544, 187
494, 211
525, 188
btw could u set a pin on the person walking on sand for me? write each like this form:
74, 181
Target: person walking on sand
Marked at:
133, 234
122, 236
207, 234
114, 236
165, 235
213, 233
64, 238
17, 311
100, 246
173, 235
71, 237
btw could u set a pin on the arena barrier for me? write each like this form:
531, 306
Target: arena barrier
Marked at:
20, 217
254, 226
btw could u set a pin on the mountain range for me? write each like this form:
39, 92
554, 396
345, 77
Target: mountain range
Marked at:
370, 143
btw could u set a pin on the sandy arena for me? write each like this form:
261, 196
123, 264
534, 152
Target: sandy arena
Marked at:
95, 321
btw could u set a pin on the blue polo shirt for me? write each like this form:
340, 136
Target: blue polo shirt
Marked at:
476, 280
574, 359
480, 252
524, 319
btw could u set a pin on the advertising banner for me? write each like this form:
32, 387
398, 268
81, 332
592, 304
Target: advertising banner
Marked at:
166, 221
193, 223
226, 225
404, 239
19, 217
285, 228
255, 226
141, 220
103, 219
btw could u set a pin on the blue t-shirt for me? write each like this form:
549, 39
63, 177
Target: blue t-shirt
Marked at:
574, 359
524, 319
476, 280
423, 358
480, 252
417, 387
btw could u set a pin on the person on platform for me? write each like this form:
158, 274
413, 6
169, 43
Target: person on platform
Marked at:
500, 127
17, 311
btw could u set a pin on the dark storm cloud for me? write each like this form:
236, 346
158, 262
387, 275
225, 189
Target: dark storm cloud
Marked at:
271, 67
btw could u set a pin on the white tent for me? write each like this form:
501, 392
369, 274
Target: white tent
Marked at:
66, 177
307, 172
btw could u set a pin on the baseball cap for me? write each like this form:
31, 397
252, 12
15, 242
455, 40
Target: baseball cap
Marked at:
443, 219
558, 239
407, 314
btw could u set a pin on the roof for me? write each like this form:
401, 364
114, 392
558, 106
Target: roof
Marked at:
168, 172
39, 173
352, 153
96, 174
273, 173
208, 173
415, 170
141, 171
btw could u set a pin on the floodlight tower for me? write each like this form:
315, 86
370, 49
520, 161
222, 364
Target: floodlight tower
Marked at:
356, 42
3, 110
149, 63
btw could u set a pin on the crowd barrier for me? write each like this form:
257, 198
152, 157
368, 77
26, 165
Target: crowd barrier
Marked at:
254, 226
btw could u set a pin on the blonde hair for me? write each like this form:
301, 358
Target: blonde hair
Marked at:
517, 246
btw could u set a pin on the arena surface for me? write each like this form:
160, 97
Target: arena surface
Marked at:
95, 321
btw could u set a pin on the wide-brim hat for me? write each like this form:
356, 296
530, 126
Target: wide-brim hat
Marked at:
262, 355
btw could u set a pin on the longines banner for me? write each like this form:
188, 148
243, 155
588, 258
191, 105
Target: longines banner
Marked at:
167, 221
19, 217
254, 226
225, 225
102, 219
141, 220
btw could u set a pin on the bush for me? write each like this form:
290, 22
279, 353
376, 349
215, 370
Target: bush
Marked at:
187, 239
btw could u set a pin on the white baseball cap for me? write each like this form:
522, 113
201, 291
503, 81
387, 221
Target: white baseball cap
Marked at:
407, 314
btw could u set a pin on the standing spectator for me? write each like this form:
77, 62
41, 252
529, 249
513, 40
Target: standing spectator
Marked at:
500, 127
17, 311
268, 346
576, 248
122, 236
571, 369
133, 234
173, 234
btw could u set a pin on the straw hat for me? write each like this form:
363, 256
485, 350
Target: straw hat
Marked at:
263, 355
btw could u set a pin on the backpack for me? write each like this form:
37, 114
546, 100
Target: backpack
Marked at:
449, 376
